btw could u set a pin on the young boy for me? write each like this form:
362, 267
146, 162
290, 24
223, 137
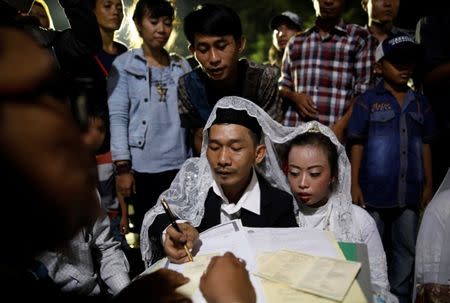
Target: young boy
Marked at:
93, 262
283, 27
391, 127
95, 138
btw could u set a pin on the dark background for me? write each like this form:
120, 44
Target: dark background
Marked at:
255, 15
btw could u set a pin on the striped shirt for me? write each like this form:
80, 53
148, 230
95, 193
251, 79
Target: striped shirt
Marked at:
331, 69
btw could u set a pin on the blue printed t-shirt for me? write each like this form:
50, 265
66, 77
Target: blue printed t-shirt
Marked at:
391, 172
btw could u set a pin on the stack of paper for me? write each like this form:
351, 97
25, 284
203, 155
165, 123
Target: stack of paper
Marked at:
194, 270
326, 277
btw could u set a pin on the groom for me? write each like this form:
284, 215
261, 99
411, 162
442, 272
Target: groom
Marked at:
237, 191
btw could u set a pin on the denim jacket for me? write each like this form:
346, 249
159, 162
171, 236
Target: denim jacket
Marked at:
392, 170
136, 118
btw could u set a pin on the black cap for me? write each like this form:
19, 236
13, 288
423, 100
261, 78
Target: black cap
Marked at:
241, 117
288, 17
398, 48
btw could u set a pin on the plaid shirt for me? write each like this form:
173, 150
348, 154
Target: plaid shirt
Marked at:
331, 69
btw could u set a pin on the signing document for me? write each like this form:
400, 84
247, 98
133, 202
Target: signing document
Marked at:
308, 259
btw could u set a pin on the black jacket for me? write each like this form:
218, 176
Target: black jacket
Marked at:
277, 210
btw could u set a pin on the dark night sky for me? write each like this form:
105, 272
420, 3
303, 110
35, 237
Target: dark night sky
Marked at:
409, 14
410, 11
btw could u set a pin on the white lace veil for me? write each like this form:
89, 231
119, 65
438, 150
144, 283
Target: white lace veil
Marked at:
188, 191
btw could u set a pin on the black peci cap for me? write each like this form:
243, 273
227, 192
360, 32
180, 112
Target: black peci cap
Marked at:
241, 117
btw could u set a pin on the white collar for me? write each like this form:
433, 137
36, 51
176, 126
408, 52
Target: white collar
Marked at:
250, 200
317, 217
315, 211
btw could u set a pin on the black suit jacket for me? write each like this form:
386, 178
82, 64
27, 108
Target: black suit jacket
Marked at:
277, 210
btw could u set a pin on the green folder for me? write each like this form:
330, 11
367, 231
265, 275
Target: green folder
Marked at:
358, 252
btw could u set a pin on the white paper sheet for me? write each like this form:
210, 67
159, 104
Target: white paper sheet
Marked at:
310, 241
230, 236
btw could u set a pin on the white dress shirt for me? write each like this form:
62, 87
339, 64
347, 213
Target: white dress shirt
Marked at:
250, 200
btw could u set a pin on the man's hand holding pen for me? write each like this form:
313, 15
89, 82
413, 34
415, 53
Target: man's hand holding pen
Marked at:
175, 242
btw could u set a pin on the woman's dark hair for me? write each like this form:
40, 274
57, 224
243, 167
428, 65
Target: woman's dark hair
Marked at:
325, 144
155, 8
214, 20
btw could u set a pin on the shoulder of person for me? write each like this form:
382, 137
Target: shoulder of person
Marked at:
182, 61
178, 58
405, 31
253, 64
362, 217
358, 30
121, 47
370, 93
305, 33
265, 186
192, 78
125, 56
263, 69
132, 61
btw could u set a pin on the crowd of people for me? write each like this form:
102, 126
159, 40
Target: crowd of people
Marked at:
343, 129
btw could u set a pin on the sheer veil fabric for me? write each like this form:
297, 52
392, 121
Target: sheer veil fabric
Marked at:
188, 191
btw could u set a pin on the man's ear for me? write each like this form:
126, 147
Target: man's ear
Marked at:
241, 44
260, 153
377, 68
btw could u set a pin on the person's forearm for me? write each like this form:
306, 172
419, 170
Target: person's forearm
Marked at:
286, 92
123, 207
356, 157
343, 121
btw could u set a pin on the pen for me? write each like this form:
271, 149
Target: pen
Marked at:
174, 225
